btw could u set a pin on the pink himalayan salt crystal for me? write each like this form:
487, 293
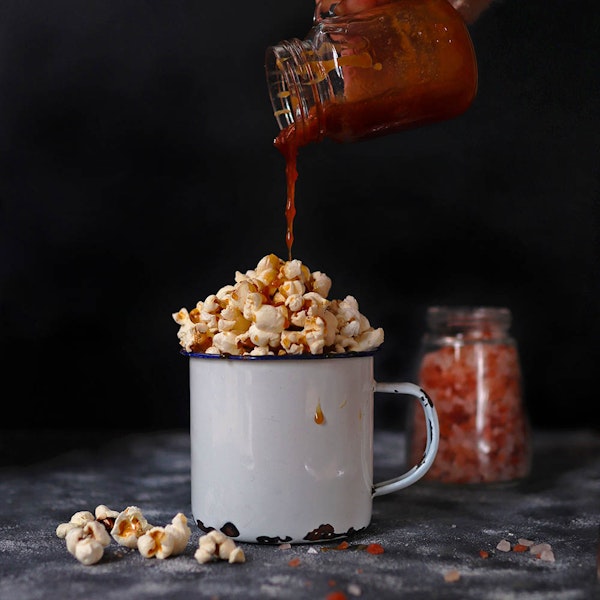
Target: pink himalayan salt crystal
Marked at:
451, 576
543, 551
539, 548
547, 555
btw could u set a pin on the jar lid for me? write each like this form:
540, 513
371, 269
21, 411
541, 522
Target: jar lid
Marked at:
456, 318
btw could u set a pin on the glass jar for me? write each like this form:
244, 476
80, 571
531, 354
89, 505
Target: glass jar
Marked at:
470, 368
394, 66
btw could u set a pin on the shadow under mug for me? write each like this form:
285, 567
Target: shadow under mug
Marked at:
282, 446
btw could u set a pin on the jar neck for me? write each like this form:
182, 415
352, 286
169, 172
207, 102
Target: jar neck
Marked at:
469, 323
299, 87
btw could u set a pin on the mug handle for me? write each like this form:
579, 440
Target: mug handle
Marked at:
433, 438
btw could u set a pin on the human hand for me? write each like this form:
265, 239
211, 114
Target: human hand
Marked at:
469, 9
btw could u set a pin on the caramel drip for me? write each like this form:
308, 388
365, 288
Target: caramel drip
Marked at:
286, 143
319, 416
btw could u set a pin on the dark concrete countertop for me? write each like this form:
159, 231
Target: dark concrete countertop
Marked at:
426, 530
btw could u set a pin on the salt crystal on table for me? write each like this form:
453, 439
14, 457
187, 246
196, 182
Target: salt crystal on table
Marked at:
547, 555
503, 546
451, 576
354, 590
539, 548
525, 542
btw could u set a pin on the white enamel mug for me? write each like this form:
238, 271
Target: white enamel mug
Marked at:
282, 446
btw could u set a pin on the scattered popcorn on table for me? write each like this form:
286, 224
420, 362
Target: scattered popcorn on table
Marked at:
163, 542
217, 546
79, 519
87, 535
129, 526
106, 516
180, 531
156, 542
278, 308
87, 543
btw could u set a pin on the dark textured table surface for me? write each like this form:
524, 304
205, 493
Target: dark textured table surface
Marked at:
427, 531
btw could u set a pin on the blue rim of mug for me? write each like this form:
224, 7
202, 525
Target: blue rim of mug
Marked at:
251, 357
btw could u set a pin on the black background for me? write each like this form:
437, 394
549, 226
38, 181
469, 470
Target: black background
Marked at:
138, 173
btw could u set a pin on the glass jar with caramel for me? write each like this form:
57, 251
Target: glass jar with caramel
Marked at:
470, 368
396, 65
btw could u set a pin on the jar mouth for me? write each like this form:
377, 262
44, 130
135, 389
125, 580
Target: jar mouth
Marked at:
464, 315
298, 84
467, 324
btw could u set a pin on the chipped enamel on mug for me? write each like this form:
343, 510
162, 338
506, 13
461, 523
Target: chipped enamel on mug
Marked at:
282, 446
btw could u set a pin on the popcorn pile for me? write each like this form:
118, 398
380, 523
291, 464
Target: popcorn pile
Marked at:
278, 308
87, 535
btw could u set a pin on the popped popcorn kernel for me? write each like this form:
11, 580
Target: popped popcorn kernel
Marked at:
180, 531
87, 543
88, 551
215, 545
156, 542
129, 526
278, 308
102, 512
106, 516
78, 519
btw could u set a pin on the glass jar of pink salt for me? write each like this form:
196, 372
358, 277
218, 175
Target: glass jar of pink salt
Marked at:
470, 369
